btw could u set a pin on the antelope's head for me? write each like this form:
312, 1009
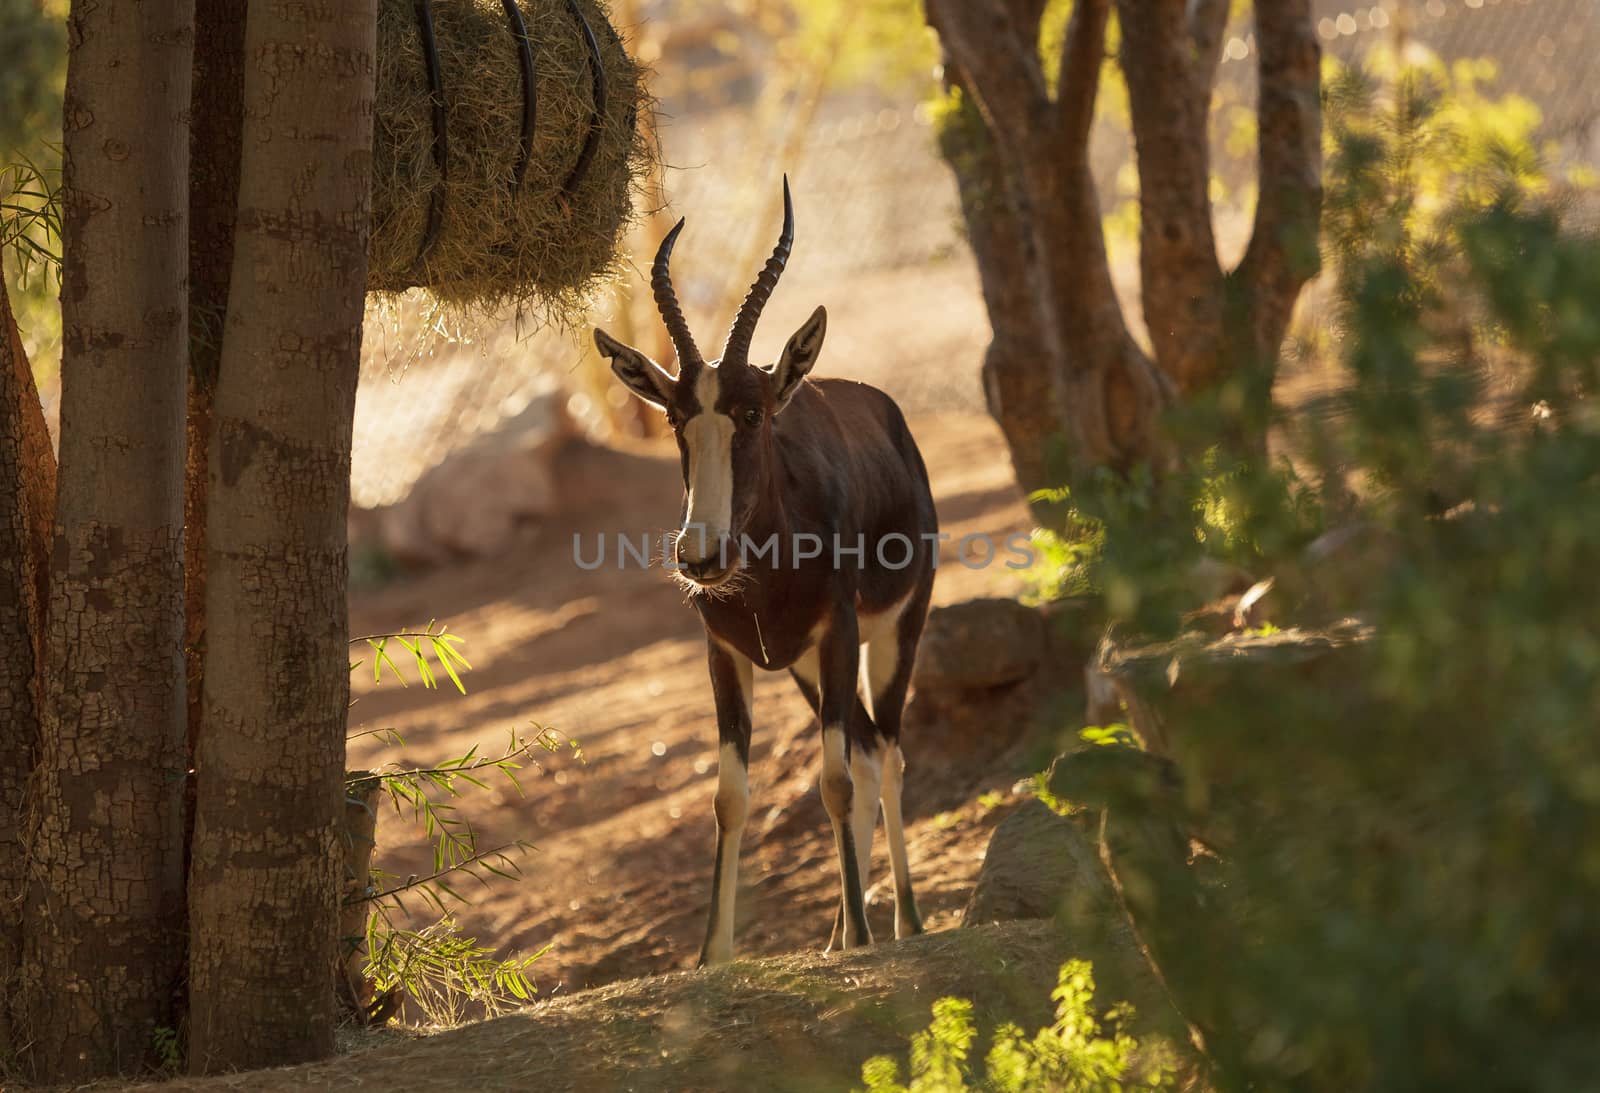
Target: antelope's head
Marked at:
721, 411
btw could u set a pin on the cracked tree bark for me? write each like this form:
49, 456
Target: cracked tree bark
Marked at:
267, 872
103, 951
216, 115
27, 503
1063, 374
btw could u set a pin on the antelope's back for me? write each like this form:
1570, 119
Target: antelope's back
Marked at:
861, 441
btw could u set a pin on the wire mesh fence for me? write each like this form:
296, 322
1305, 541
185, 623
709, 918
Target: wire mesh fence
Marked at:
879, 238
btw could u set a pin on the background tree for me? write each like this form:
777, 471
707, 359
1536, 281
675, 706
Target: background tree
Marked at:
266, 876
106, 878
1063, 375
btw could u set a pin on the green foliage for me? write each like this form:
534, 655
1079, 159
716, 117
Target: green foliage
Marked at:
1117, 734
30, 251
30, 219
1407, 834
427, 796
436, 969
32, 80
1135, 540
1411, 150
1412, 144
169, 1050
445, 974
419, 644
1066, 557
1078, 1053
882, 42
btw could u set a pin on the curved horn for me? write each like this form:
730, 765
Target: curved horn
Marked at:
744, 324
667, 303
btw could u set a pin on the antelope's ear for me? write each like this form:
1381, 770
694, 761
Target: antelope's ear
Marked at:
641, 375
804, 347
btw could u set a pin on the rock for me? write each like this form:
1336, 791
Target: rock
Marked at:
472, 504
1172, 688
1102, 705
1040, 865
1210, 579
952, 738
978, 644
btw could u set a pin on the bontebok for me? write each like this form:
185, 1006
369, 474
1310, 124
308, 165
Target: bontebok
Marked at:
808, 539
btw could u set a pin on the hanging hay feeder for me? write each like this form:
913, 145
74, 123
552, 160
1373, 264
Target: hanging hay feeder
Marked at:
505, 150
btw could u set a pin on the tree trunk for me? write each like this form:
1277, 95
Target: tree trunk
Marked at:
103, 954
216, 114
1063, 372
358, 837
267, 871
1024, 394
27, 501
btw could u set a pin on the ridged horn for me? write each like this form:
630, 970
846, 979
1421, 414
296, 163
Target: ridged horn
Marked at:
744, 324
689, 357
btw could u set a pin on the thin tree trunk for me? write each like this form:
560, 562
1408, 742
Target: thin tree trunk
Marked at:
358, 836
267, 870
103, 954
1215, 337
1100, 400
27, 503
1021, 386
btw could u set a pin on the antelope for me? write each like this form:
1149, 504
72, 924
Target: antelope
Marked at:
775, 467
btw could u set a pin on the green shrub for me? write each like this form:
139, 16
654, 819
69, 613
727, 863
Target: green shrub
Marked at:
1407, 838
1078, 1053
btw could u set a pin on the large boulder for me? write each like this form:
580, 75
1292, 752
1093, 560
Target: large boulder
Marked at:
989, 673
1040, 865
1044, 866
475, 501
979, 644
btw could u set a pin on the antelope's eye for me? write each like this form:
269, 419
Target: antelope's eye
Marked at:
752, 417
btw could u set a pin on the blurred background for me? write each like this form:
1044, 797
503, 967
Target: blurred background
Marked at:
843, 97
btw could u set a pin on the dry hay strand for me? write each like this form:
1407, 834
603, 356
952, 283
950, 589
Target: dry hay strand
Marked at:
536, 246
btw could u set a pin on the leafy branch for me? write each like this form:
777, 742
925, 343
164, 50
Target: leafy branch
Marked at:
419, 643
30, 216
428, 792
442, 971
436, 968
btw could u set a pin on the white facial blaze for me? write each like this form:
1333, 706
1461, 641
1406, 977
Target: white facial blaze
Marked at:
709, 438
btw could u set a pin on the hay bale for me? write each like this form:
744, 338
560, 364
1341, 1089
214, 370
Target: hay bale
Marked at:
545, 242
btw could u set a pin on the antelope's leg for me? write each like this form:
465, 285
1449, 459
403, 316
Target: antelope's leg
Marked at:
805, 673
889, 657
731, 684
836, 664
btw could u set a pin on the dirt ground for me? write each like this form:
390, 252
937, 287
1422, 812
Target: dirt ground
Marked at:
801, 1022
618, 885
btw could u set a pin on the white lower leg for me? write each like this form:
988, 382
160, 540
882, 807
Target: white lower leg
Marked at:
838, 791
866, 774
906, 919
732, 806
